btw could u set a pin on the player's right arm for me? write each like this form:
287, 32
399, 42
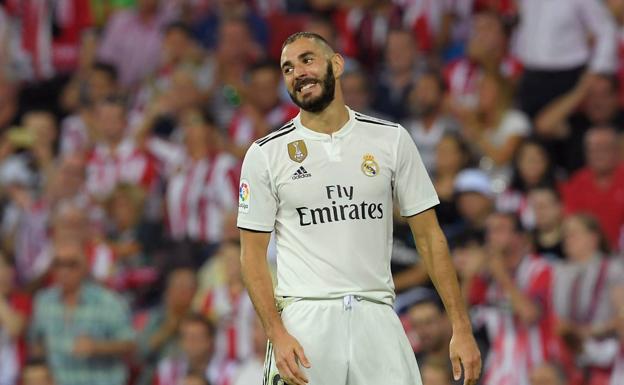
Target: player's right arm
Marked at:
256, 218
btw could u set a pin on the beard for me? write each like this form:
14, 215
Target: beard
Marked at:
424, 110
319, 103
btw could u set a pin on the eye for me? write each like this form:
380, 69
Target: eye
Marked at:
287, 70
307, 60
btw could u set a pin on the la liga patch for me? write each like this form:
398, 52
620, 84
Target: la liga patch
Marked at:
244, 195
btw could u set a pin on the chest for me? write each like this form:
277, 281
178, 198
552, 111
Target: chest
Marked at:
334, 171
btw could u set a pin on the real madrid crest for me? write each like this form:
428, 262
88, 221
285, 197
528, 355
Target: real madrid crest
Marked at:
297, 150
369, 166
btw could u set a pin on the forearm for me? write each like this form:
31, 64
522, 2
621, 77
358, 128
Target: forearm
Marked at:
11, 321
548, 121
435, 252
521, 304
257, 279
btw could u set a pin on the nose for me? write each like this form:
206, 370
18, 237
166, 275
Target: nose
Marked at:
299, 71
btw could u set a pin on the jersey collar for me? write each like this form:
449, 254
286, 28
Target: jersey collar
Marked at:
311, 134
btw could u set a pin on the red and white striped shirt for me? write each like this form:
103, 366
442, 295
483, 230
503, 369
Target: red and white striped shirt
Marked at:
242, 131
617, 375
74, 135
106, 168
515, 346
43, 51
199, 192
462, 78
235, 322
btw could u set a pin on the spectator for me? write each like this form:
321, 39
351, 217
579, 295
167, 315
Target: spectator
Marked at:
398, 75
132, 40
436, 372
545, 203
36, 372
494, 128
14, 313
77, 129
228, 305
581, 294
365, 28
451, 156
206, 29
486, 52
617, 375
202, 184
357, 93
600, 181
548, 373
194, 379
59, 32
475, 198
432, 329
196, 340
262, 111
554, 48
427, 122
234, 54
83, 344
562, 124
514, 299
8, 101
115, 158
531, 168
251, 369
157, 338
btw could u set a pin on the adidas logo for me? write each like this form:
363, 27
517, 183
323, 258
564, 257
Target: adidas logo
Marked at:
301, 173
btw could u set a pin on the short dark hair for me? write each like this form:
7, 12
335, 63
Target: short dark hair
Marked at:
196, 318
109, 69
467, 238
267, 64
518, 228
306, 35
179, 26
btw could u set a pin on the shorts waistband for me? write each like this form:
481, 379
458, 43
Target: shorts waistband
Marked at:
347, 301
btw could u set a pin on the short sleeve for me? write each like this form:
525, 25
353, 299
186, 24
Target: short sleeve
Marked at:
412, 186
257, 201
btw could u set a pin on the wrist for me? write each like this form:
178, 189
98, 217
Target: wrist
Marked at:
275, 332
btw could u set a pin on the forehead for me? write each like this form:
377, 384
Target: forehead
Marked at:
299, 46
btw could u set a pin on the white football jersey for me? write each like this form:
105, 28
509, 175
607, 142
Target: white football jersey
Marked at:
329, 199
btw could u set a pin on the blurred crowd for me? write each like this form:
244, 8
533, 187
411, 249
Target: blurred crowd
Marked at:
123, 124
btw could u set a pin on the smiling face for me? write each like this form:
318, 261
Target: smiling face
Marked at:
308, 70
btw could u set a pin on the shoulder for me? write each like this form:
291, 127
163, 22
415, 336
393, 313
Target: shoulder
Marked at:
46, 296
101, 295
277, 136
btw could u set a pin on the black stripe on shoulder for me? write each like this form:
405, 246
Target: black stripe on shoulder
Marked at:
381, 123
282, 133
284, 127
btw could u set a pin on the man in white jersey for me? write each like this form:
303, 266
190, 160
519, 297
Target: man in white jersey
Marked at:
325, 183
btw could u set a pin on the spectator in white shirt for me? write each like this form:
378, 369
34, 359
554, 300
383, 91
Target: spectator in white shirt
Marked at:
553, 42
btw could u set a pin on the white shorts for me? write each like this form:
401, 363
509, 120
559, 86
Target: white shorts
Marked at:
348, 341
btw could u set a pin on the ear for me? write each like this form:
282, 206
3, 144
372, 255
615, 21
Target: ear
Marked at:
338, 65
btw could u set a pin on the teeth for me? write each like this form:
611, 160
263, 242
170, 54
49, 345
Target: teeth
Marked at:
307, 86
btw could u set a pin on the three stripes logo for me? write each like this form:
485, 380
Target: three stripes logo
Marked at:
301, 173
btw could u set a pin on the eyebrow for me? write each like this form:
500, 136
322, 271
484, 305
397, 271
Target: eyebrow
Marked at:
301, 56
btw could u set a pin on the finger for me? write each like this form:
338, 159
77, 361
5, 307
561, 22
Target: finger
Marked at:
285, 373
296, 371
456, 368
302, 357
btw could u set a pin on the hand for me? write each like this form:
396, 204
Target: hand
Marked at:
84, 347
288, 354
465, 353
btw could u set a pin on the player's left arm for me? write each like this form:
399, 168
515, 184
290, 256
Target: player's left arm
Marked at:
433, 248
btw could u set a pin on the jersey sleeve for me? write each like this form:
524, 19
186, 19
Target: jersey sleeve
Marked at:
257, 201
412, 186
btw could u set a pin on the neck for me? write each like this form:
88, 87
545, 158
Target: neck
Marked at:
199, 364
70, 296
550, 235
328, 121
604, 176
429, 120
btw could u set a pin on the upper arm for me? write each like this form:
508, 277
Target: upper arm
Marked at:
412, 188
424, 225
257, 203
254, 245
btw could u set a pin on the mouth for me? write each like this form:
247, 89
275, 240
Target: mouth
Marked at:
305, 85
